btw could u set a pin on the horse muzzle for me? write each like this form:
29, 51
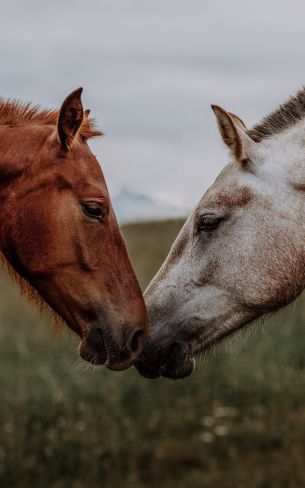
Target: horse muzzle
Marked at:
176, 362
99, 347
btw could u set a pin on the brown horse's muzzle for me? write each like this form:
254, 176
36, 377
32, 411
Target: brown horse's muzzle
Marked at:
100, 346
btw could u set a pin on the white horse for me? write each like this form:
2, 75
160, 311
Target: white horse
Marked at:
241, 254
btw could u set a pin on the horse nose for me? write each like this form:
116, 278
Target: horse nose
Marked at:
92, 348
125, 354
137, 340
102, 346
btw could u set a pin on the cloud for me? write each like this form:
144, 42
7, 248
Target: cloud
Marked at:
150, 71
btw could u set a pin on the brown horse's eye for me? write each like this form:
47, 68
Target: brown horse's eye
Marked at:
94, 210
208, 223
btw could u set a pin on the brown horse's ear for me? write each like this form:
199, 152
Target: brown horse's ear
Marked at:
70, 118
233, 133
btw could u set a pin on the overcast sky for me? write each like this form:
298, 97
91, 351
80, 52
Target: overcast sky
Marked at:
150, 70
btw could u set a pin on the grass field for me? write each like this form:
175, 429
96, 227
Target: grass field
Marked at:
239, 421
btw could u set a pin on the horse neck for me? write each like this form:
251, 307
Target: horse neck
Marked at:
19, 150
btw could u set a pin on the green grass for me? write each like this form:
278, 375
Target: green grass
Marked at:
239, 421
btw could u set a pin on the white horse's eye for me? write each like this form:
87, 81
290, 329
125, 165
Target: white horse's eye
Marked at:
208, 223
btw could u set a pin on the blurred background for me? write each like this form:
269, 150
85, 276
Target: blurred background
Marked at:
150, 71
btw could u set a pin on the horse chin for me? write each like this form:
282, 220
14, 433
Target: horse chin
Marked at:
180, 369
177, 364
91, 356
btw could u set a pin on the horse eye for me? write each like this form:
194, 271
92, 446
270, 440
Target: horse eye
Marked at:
207, 223
94, 210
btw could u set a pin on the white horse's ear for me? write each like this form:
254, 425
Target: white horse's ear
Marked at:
237, 121
233, 133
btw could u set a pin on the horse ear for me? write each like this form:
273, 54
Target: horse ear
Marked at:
237, 121
233, 133
70, 118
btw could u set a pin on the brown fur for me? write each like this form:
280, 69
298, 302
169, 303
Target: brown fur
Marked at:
60, 256
228, 132
16, 113
229, 199
298, 186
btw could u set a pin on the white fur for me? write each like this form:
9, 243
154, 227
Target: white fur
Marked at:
252, 263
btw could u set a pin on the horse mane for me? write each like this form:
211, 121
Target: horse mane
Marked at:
31, 294
15, 112
285, 116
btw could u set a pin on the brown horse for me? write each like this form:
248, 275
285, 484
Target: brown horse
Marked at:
59, 233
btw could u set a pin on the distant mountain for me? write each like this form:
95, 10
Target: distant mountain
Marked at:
132, 207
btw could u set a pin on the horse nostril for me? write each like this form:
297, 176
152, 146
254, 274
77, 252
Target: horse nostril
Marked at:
93, 348
96, 337
137, 341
